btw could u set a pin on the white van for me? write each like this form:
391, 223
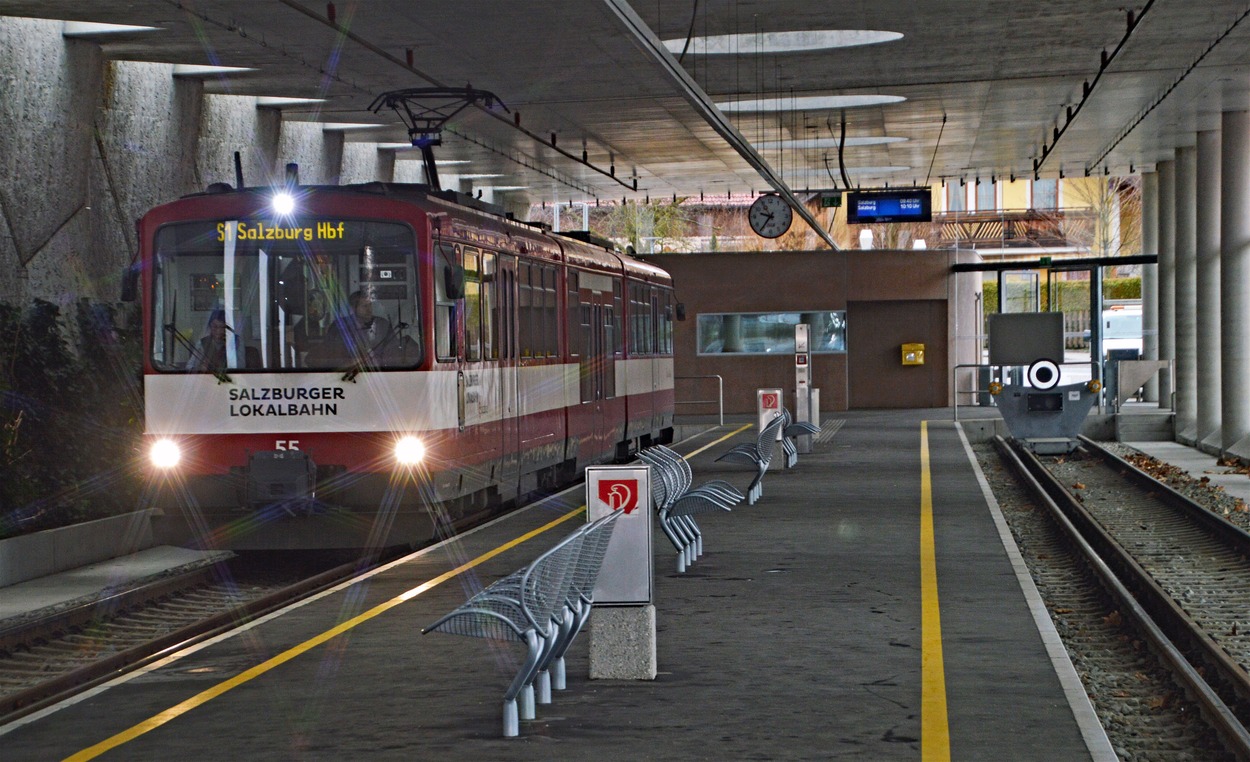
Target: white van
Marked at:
1121, 329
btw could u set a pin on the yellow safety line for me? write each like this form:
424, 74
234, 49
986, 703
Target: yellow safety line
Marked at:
178, 710
722, 439
935, 742
152, 723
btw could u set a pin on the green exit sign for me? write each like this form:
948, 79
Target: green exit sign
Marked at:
1045, 262
828, 200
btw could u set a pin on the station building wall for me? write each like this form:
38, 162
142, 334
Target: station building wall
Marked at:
889, 297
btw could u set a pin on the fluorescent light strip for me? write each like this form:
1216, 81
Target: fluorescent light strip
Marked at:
205, 70
280, 102
92, 29
336, 126
850, 171
828, 142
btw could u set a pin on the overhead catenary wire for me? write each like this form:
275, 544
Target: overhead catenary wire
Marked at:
1087, 88
1158, 101
935, 150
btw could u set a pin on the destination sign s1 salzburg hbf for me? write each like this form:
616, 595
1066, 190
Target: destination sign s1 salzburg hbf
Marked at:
913, 205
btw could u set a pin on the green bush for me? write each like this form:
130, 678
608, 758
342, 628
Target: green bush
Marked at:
1072, 294
69, 423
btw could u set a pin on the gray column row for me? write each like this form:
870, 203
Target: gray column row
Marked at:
1207, 296
1234, 272
1196, 216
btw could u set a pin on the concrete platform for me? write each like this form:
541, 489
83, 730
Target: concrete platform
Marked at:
809, 630
86, 584
1198, 464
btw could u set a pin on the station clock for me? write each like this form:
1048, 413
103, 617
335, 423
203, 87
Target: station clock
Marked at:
770, 216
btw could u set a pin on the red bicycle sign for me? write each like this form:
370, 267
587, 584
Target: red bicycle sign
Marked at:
619, 494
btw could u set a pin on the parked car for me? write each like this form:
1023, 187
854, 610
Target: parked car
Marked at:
1121, 329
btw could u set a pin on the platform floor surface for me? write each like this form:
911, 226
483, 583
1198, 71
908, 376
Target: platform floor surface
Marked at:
798, 635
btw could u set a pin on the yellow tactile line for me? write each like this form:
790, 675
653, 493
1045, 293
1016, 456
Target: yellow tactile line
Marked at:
152, 723
935, 743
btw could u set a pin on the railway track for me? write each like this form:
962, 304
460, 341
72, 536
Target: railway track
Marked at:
49, 658
1178, 572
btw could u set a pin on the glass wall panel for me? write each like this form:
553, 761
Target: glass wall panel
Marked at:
757, 333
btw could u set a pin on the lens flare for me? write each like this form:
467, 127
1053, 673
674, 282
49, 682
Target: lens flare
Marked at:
165, 453
409, 451
283, 204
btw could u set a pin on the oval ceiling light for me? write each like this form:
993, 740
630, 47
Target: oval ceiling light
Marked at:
779, 42
808, 103
863, 140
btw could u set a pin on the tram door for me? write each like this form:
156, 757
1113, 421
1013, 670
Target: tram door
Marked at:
506, 334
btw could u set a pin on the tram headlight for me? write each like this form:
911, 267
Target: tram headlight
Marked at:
165, 453
409, 451
283, 204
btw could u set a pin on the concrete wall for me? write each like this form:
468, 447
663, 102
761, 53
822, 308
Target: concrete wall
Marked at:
48, 97
37, 555
91, 144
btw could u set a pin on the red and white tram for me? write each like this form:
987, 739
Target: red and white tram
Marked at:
341, 366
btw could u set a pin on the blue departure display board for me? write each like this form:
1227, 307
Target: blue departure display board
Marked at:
865, 208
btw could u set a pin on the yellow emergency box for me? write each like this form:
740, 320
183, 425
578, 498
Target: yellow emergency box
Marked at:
913, 354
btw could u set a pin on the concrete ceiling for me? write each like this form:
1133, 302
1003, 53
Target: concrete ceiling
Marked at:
987, 83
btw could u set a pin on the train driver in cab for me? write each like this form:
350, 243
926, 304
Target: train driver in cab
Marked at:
210, 354
360, 335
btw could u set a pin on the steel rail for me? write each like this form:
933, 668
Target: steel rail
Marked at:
17, 705
1151, 609
1222, 529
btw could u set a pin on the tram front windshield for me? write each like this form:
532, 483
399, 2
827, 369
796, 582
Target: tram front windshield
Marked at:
312, 294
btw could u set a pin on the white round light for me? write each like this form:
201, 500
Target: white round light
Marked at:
409, 451
165, 453
1043, 374
283, 203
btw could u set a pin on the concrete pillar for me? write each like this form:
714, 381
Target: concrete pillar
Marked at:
1235, 280
1150, 276
1184, 309
1207, 328
1167, 276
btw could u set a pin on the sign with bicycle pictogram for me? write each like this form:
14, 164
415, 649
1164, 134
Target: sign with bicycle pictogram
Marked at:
619, 494
767, 407
625, 578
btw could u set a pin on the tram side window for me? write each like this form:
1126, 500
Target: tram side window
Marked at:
654, 315
588, 353
573, 326
549, 321
447, 275
472, 305
490, 349
666, 322
525, 308
609, 341
635, 346
640, 320
618, 342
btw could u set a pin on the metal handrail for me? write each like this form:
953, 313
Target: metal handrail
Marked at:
720, 396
